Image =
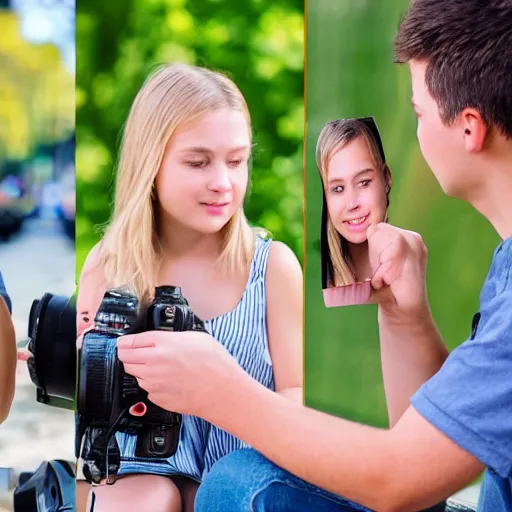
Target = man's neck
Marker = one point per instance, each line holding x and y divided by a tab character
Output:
493	198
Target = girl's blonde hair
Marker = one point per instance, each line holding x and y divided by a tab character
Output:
130	252
334	136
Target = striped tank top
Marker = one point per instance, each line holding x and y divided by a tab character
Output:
243	332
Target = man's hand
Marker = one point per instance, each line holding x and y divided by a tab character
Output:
184	372
398	259
411	347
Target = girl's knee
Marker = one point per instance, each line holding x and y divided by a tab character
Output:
135	493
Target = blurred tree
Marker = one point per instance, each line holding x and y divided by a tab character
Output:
260	45
36	93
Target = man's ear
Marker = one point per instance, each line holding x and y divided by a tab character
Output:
475	129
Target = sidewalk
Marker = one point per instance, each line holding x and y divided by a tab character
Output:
39	260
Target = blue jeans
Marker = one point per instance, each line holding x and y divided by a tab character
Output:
496	493
245	481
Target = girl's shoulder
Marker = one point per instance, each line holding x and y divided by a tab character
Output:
275	260
92	269
282	261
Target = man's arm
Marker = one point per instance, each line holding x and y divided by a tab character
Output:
412	349
7	360
407	468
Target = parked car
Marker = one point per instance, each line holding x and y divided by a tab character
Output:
12	206
66	209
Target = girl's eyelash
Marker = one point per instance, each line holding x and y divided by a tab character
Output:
198	164
195	163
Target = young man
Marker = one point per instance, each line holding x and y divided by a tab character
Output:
451	417
7	353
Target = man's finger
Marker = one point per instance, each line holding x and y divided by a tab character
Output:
373	228
382	275
386	274
378	277
378	241
136	370
135	356
392	251
135	341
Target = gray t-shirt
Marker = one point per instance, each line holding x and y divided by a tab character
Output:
470	398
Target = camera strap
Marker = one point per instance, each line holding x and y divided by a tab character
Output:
101	454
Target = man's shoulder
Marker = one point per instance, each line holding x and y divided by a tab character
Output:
496	294
468	398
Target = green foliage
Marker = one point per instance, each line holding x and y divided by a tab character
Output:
258	43
350	73
36	93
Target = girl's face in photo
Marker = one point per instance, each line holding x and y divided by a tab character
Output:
204	172
355	191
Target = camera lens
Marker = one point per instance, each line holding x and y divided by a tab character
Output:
52	329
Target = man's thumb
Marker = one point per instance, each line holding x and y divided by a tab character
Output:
371	230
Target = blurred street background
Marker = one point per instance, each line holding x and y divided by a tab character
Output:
37	202
350	73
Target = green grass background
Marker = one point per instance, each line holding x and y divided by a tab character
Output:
350	73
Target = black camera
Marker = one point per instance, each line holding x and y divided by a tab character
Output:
109	400
52	341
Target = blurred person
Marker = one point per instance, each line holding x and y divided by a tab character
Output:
7	353
450	414
179	219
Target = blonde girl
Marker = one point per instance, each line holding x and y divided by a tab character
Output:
178	219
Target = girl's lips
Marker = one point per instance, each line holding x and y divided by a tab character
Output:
215	208
357	225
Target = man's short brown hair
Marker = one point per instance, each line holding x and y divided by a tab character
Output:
467	45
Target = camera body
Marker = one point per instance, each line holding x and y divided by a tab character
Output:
109	400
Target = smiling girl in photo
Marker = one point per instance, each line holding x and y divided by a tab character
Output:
356	185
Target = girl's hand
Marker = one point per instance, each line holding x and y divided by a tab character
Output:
24	354
186	372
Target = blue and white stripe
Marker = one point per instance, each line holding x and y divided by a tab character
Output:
243	332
